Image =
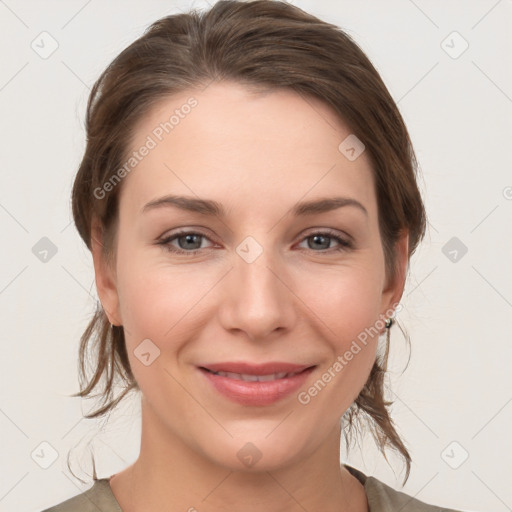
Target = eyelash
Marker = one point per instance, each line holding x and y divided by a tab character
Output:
165	242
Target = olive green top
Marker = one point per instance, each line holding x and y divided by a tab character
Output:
381	498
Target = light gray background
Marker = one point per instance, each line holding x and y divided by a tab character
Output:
458	110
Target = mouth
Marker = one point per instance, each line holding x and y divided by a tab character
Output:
254	378
256	385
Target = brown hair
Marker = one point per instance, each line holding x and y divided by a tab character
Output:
260	43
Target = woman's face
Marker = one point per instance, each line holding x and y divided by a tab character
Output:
265	281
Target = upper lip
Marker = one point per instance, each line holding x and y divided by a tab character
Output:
256	369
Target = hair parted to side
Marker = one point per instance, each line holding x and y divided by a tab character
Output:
263	44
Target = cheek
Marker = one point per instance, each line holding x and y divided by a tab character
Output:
347	298
154	302
158	301
157	304
347	304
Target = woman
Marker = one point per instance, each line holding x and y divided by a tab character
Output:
248	193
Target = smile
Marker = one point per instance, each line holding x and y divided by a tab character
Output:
255	378
255	389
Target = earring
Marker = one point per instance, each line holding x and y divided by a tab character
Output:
388	324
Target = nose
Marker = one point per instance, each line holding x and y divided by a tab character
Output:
257	299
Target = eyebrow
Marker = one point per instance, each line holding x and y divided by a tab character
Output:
215	209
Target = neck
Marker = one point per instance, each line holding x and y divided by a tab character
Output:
170	476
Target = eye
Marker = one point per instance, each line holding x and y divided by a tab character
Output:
189	242
186	240
321	239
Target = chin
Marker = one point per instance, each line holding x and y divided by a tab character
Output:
258	453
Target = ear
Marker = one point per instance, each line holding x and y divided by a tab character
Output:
394	288
105	276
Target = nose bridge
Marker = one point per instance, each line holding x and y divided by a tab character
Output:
259	276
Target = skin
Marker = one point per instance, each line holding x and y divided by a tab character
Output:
257	155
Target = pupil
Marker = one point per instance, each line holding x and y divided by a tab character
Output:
319	237
190	239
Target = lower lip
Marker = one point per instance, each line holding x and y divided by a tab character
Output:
256	393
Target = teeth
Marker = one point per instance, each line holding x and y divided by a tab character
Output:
255	378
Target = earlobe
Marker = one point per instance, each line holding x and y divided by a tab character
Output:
104	276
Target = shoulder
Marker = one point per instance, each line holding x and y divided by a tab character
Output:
382	498
98	497
389	499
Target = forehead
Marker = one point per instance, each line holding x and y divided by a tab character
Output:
277	146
